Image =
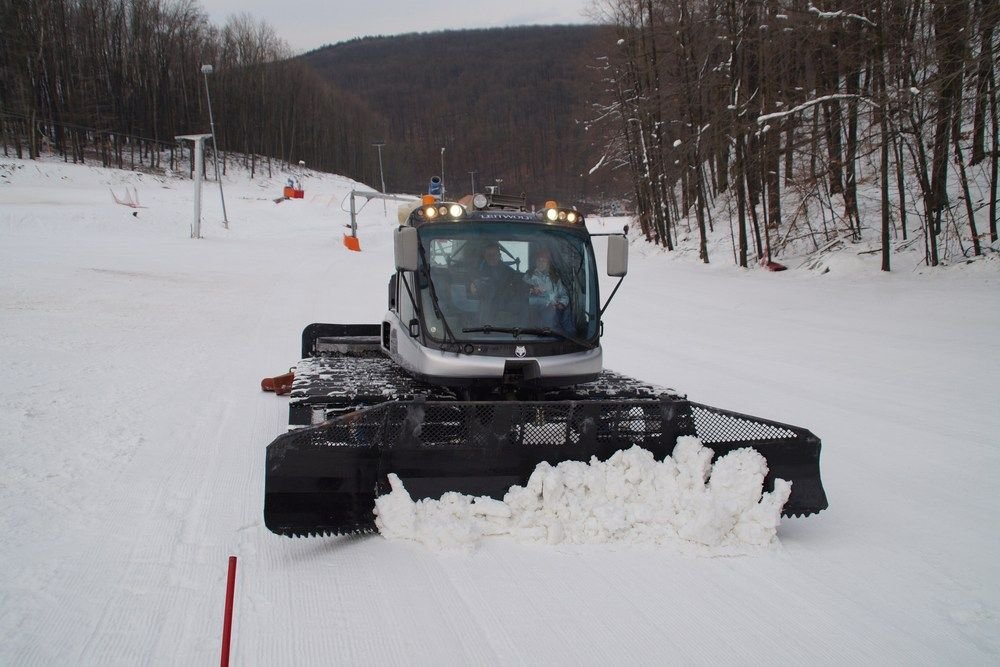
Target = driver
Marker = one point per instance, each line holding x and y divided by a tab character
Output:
493	273
496	287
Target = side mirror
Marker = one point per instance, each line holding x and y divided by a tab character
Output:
407	249
617	256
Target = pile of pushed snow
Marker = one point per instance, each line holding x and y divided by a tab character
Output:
683	501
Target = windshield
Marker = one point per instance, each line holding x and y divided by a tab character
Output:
523	276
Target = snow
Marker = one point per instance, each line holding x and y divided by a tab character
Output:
132	436
840	14
763	118
598	165
629	499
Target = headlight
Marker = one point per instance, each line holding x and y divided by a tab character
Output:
456	210
552	214
443	210
430	212
480	201
571	216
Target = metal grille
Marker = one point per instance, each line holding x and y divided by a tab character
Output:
426	424
717	426
492	424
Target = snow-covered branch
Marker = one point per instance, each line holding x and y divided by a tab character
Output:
599	163
805	105
840	15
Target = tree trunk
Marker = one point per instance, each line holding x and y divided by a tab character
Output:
996	157
883	120
741	201
850	161
949	18
900	180
977	250
989	12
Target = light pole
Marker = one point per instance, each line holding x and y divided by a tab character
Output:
206	70
442	172
472	175
379	145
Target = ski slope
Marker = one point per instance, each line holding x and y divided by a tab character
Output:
133	431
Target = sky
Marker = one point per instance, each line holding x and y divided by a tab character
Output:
310	24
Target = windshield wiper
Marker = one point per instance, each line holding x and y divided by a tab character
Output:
450	339
529	331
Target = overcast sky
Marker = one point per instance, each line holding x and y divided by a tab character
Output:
310	24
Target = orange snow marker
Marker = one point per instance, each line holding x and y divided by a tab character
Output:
352	243
279	384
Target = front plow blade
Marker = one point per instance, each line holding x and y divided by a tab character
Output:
324	479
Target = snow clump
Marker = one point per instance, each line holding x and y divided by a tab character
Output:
684	502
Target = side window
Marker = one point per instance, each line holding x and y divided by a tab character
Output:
441	252
515	254
393	292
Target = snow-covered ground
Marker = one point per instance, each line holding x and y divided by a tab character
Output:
132	436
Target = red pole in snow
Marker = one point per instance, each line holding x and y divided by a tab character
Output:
227	626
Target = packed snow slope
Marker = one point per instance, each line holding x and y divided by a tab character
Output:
133	432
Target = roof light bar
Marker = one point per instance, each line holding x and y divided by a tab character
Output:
442	211
556	214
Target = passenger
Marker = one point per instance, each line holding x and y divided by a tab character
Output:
547	296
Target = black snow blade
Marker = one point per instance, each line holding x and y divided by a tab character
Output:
323	480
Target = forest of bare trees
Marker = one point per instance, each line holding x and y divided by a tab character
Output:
115	81
772	102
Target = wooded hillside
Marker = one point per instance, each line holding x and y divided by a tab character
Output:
116	80
506	103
